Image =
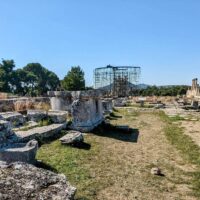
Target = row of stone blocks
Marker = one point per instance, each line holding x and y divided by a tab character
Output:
18	119
21	144
23	180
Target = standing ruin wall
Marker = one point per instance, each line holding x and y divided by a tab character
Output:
84	106
194	91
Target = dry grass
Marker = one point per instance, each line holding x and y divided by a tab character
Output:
116	166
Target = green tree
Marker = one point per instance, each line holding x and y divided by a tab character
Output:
6	75
74	80
39	80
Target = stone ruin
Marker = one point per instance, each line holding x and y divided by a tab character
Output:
120	102
25	181
60	100
19	134
84	106
12	149
23	104
17	154
194	91
107	106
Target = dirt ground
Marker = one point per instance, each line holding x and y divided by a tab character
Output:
192	128
133	162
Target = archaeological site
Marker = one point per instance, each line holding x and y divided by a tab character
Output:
99	100
76	144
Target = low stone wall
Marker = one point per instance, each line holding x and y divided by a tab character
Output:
23	104
40	133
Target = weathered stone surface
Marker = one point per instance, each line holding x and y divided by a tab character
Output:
88	94
23	152
60	100
72	137
57	116
86	107
107	106
87	114
43	132
5	131
24	104
194	91
15	118
120	102
28	125
36	115
27	182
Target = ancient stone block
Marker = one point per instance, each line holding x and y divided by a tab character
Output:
57	116
72	137
107	106
87	114
5	131
15	118
23	152
43	132
36	115
25	181
60	100
86	107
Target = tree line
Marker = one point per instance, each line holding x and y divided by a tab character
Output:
173	90
35	80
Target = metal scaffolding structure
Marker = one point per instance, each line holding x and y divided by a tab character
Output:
116	80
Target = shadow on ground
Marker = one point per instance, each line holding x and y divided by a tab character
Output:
81	145
110	131
43	165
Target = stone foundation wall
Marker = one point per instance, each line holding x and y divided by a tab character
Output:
24	104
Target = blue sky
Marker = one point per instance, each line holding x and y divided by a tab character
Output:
161	36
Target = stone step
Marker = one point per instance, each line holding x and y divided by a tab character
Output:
43	132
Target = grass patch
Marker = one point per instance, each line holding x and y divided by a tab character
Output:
139	106
45	122
177	118
189	150
73	163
